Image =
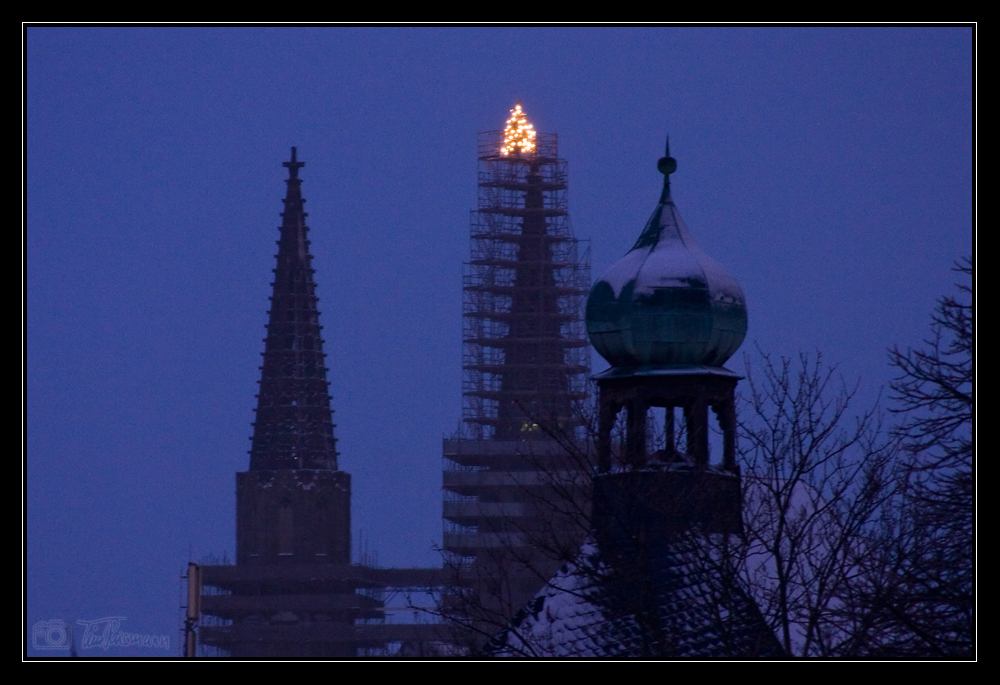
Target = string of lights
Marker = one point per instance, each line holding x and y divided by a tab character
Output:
518	134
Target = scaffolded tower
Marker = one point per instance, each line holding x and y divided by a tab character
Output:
525	363
525	354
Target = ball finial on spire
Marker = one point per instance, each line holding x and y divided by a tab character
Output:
667	164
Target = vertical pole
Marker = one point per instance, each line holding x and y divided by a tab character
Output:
696	418
727	422
193	610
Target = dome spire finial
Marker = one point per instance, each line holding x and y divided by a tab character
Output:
666	165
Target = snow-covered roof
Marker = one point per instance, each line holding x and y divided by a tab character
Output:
683	604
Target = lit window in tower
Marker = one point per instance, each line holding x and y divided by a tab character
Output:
518	134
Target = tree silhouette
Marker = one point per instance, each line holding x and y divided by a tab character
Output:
927	602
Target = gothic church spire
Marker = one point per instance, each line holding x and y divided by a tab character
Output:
294	426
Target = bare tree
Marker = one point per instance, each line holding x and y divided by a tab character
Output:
934	393
817	484
922	597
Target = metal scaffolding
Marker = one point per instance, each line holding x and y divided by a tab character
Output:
526	367
525	355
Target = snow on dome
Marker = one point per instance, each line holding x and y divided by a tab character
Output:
666	302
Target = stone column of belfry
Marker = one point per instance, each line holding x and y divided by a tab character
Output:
635	441
726	413
696	421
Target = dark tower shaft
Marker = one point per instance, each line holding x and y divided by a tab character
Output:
534	371
294	427
293	591
293	505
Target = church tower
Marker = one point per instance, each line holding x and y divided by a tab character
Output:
293	504
525	367
666	316
293	591
290	592
525	350
525	355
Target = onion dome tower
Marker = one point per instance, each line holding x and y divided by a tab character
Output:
656	579
666	316
666	304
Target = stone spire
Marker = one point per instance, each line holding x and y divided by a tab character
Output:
294	427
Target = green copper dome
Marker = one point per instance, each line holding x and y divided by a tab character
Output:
666	303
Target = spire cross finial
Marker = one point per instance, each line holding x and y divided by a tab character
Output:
293	166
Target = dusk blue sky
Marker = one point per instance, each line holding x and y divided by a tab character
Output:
829	169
